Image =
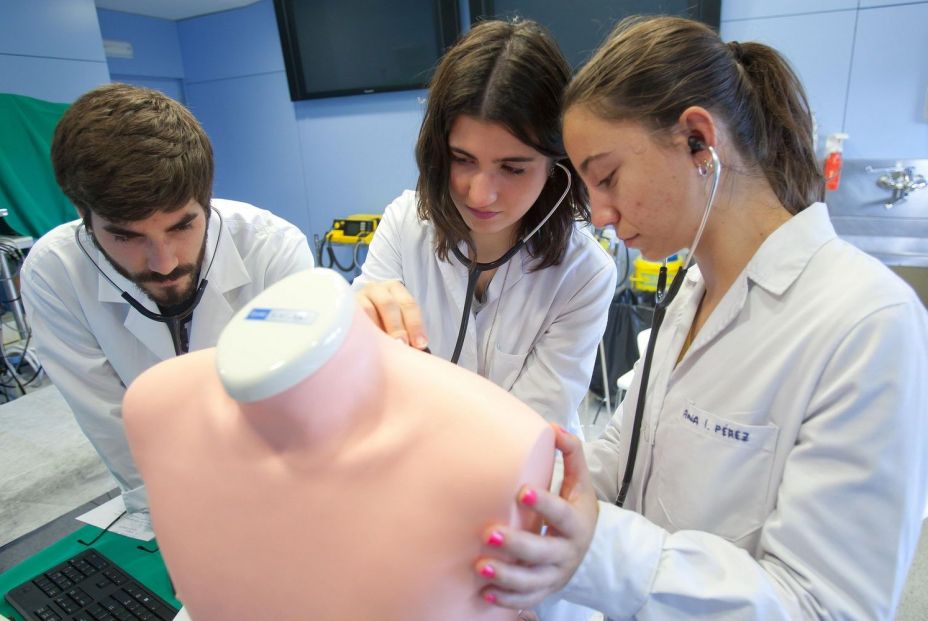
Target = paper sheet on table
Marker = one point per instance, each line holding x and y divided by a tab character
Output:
135	525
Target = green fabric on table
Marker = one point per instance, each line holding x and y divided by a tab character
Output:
27	180
146	567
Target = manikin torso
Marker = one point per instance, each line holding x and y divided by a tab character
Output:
352	478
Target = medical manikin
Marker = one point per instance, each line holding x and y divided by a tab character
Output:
311	467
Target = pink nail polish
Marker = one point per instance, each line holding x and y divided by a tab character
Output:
487	571
562	429
495	539
529	497
489	597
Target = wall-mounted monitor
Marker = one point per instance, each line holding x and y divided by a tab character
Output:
580	26
349	47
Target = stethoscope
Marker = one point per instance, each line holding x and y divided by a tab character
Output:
475	268
175	321
662	301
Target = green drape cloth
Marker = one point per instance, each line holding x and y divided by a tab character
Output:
27	182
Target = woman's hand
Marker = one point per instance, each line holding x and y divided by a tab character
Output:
543	564
392	308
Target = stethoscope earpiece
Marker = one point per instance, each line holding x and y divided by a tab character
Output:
696	145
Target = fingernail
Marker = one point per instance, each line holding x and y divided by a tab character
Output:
422	342
495	539
488	571
489	597
562	429
529	497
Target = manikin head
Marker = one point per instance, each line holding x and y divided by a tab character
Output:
284	335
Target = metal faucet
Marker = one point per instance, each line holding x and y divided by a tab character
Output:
900	180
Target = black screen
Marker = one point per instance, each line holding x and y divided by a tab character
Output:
580	26
344	47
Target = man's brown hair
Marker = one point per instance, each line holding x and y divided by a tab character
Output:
126	152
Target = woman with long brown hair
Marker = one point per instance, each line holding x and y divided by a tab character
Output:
487	263
771	463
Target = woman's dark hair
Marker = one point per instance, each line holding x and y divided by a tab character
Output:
125	152
511	73
650	70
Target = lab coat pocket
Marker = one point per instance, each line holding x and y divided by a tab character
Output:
506	368
714	471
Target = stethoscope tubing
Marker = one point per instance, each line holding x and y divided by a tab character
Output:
662	301
174	321
476	268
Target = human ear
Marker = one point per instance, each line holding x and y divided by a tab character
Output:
697	126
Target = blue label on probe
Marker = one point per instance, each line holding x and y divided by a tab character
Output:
282	315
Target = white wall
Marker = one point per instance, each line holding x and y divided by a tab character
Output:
863	63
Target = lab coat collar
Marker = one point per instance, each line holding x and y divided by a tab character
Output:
781	258
211	315
228	271
775	266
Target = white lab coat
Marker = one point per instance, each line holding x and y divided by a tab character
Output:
782	467
537	332
93	344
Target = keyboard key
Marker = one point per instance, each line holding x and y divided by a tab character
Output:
96	560
67	605
114	576
123	615
124	598
80	597
84	567
47	614
132	590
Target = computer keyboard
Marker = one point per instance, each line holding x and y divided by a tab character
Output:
87	587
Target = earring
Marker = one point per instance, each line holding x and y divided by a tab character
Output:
705	168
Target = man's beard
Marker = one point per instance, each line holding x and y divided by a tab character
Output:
176	296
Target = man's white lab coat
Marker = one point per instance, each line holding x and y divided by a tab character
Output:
93	343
